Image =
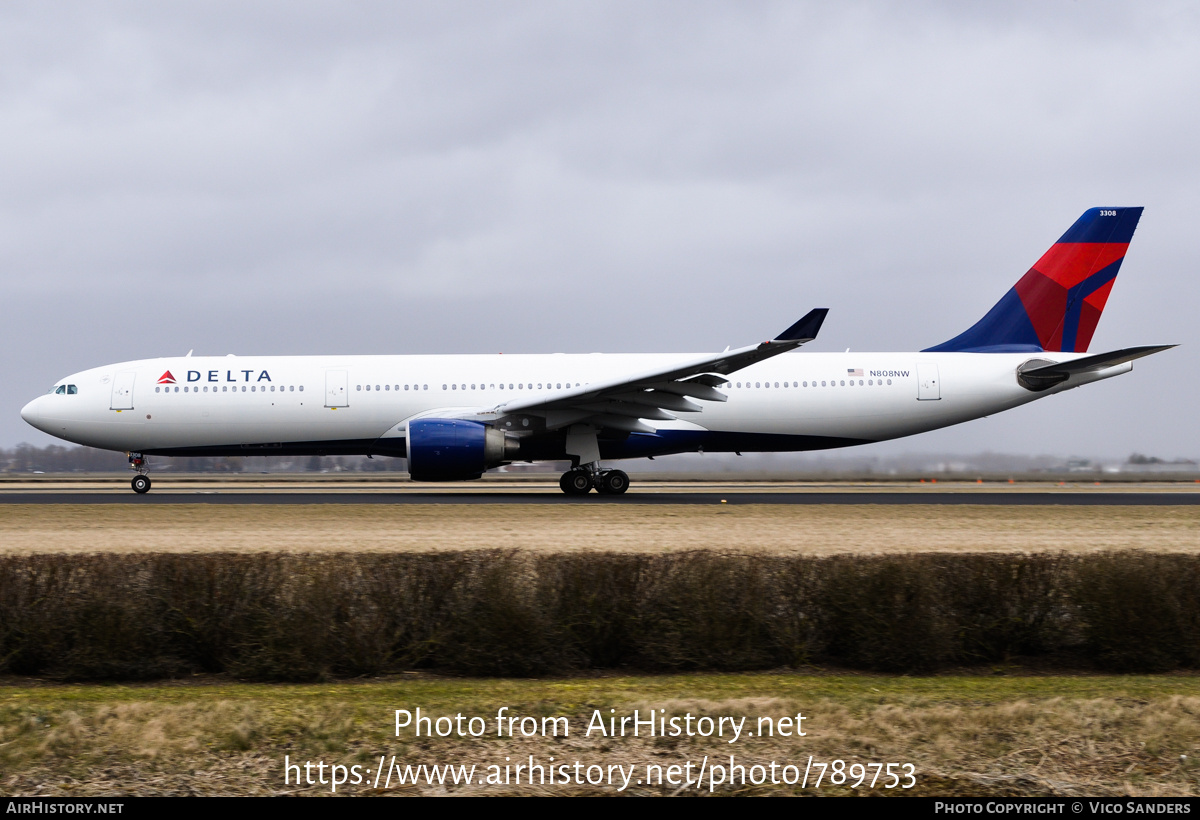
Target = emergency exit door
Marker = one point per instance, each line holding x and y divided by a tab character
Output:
336	394
929	387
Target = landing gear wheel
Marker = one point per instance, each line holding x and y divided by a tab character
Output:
140	484
612	482
575	482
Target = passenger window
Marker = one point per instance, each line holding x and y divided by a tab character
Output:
301	388
157	389
358	387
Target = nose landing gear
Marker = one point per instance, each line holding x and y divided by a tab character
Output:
141	481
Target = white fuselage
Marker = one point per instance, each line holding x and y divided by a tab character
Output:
351	403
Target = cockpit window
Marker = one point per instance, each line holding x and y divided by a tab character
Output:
72	390
62	388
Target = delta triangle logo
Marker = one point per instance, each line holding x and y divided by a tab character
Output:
166	378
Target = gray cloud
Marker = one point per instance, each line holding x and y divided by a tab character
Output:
460	177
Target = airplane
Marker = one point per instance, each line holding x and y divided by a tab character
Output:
454	417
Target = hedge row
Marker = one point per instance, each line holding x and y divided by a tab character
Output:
307	617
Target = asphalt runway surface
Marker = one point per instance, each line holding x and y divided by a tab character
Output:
1010	498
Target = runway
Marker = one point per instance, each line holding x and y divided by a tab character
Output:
803	497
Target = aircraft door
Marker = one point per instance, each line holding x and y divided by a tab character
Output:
336	394
929	386
122	392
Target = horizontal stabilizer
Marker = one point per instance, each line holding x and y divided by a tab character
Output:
1043	376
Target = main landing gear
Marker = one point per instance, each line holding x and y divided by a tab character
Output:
581	480
141	481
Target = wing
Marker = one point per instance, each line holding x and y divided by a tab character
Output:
658	394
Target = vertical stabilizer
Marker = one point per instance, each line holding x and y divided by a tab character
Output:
1057	304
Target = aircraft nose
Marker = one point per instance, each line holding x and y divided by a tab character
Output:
33	413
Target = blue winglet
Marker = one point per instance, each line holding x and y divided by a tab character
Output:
806	329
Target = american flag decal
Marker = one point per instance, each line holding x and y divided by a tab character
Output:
855	372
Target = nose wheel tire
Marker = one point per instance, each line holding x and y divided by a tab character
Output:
575	482
612	482
140	484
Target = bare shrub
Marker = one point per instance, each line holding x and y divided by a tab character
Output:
1141	612
312	616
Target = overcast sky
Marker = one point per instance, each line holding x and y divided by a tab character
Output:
288	178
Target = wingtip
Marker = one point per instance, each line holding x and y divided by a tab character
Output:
806	328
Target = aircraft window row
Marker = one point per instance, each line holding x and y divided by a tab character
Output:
829	383
65	390
254	388
519	386
397	387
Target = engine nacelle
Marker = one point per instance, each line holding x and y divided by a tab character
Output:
455	449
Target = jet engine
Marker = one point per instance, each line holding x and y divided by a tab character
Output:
455	449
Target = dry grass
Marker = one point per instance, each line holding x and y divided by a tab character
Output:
966	736
809	530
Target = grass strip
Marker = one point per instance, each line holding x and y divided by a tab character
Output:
965	734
